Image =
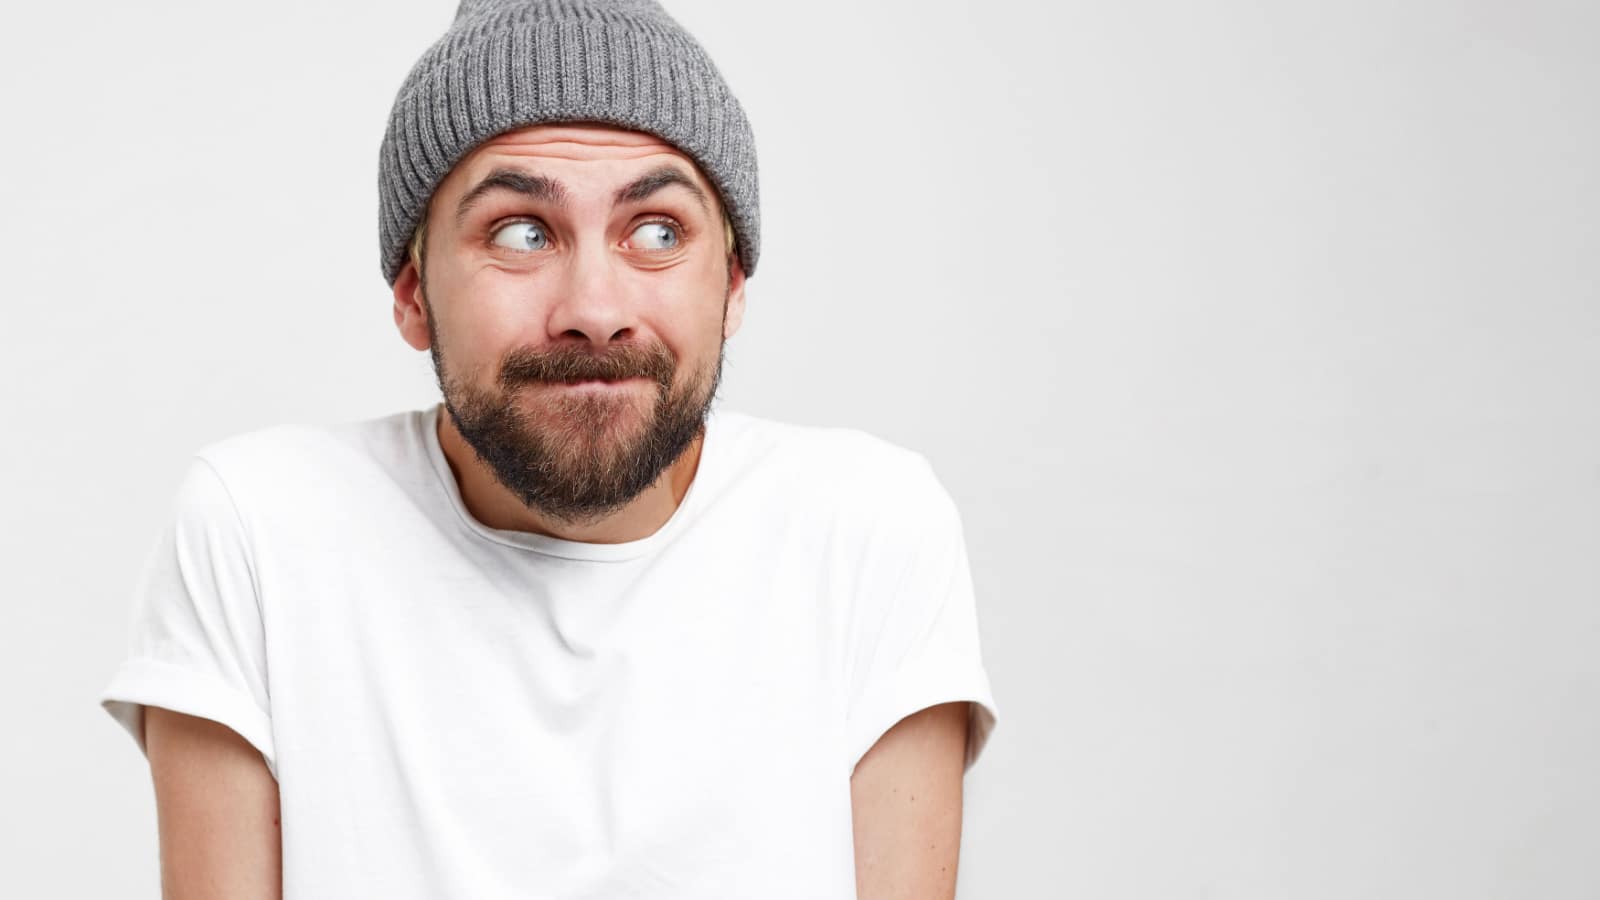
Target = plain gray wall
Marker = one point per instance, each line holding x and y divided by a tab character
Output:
1258	343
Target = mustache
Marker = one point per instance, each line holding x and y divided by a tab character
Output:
572	363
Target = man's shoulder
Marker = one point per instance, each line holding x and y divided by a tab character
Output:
283	455
836	462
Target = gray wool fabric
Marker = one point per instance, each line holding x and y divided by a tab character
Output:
506	64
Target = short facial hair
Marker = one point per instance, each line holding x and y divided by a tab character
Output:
585	461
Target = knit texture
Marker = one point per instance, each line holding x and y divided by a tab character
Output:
507	64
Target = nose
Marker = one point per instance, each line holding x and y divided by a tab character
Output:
594	302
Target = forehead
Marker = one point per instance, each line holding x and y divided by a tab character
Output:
560	144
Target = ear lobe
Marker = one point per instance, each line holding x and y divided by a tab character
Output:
410	308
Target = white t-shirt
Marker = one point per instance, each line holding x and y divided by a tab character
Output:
453	710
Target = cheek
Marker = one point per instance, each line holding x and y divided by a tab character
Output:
477	329
696	339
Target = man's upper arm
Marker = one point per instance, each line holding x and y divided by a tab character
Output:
217	805
912	638
192	691
905	798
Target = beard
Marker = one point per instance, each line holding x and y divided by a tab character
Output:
576	455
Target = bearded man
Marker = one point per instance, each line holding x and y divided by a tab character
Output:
573	630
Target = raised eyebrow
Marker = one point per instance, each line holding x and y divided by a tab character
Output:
538	187
549	190
656	179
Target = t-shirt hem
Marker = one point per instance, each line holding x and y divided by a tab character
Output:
909	692
151	682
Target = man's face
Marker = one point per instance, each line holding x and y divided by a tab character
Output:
560	254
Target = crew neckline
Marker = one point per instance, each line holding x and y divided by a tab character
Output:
427	422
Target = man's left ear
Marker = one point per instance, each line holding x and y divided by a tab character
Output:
735	313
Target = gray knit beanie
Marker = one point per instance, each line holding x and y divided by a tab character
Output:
507	64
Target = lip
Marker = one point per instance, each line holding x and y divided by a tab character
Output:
595	384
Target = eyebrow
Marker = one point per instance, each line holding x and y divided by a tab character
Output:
549	190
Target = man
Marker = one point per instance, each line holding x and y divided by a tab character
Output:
574	631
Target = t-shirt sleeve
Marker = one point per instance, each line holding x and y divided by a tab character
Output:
915	640
196	643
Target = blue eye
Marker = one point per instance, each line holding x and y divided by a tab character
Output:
530	237
659	231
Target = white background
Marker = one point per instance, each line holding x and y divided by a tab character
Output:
1257	341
